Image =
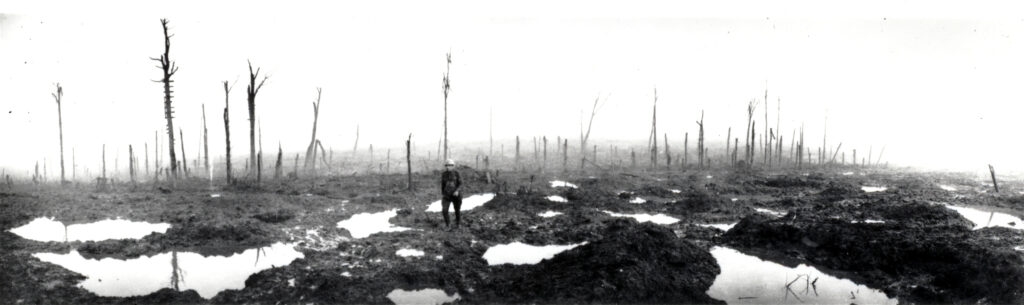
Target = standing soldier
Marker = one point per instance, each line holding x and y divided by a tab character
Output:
450	183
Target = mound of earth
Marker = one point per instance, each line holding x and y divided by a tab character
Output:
919	252
631	263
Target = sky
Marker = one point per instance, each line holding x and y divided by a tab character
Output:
935	83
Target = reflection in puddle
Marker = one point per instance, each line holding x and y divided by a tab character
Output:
427	296
721	226
982	219
468	203
659	218
558	183
183	270
872	189
409	252
747	279
948	188
363	224
518	253
638	200
769	212
46	229
556	198
547	214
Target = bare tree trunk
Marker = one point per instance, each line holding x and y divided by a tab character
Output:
131	164
169	68
104	162
565	155
654	131
311	150
277	165
206	146
408	160
355	146
227	132
686	149
992	170
700	141
446	82
668	154
728	136
60	126
252	90
184	161
259	157
545	164
517	153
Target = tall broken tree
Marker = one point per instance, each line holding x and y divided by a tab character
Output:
584	137
252	90
700	141
169	68
206	146
311	150
653	139
446	87
184	162
227	132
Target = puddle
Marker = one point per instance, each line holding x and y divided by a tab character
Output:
214	195
660	219
868	221
1019	248
518	253
555	198
409	252
847	173
46	229
872	189
948	188
209	275
363	224
558	183
429	296
769	212
747	279
721	226
675	191
982	219
709	177
734	199
468	203
547	214
638	200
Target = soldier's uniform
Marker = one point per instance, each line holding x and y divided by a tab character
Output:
450	193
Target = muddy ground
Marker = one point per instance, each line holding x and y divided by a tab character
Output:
922	253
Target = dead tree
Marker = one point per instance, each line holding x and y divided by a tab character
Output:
446	87
408	159
356	145
565	155
686	148
584	137
995	184
517	153
700	141
184	162
206	146
767	141
252	90
131	164
311	150
259	157
750	121
653	139
277	165
879	160
545	161
169	68
728	136
60	126
668	154
227	131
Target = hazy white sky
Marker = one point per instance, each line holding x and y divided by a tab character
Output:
937	84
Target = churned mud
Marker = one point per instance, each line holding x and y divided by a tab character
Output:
612	237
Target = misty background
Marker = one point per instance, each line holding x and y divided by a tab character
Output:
936	84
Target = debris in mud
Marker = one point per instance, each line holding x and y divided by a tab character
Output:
632	263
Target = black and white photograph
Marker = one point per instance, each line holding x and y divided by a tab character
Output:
511	152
